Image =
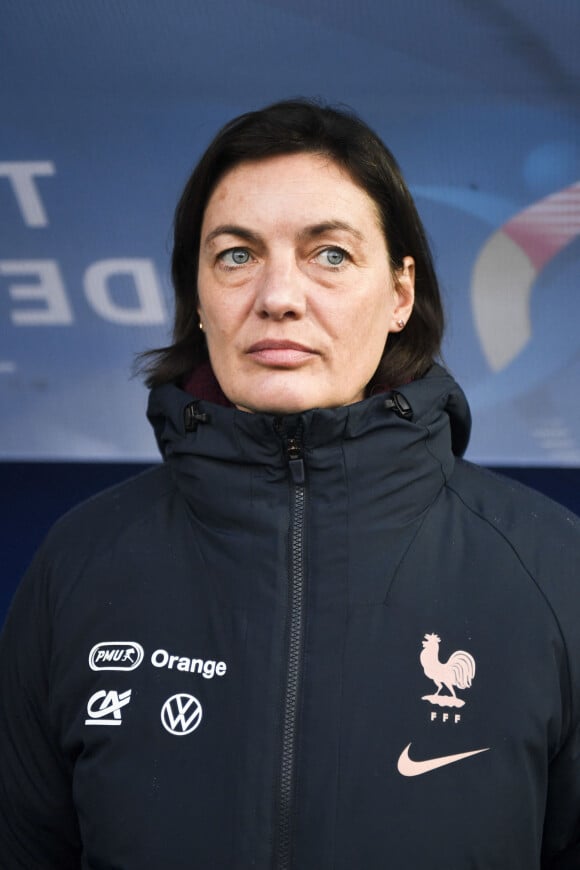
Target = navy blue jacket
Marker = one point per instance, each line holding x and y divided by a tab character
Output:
322	641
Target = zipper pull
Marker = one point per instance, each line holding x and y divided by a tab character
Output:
295	461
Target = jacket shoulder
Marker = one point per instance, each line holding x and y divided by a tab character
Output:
528	519
107	514
543	536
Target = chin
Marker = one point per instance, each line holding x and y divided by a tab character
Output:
276	406
279	401
282	406
281	398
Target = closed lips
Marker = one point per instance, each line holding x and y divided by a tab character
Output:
279	344
283	354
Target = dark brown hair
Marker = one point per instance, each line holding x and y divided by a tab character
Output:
303	126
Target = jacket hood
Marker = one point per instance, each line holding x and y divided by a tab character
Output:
434	401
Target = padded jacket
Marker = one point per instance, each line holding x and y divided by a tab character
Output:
318	642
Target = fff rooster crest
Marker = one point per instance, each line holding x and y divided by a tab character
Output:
457	672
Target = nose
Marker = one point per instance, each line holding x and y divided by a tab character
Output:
281	290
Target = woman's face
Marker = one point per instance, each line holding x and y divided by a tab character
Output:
296	293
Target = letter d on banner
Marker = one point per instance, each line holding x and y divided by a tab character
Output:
148	309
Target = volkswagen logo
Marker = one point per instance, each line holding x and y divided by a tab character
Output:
181	714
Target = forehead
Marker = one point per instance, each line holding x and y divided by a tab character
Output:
292	188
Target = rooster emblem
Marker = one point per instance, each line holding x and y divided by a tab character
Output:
458	671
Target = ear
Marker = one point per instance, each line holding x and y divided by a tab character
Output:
404	294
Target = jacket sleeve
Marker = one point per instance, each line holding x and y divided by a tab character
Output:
38	825
562	815
562	822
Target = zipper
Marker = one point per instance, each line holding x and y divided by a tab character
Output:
294	453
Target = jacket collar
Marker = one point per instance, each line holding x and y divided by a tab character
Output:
184	424
371	476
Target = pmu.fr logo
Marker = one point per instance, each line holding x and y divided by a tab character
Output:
104	707
116	655
181	714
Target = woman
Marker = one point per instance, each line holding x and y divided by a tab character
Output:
315	637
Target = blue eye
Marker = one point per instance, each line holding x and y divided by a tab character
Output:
334	256
235	257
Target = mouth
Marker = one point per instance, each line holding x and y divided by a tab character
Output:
280	353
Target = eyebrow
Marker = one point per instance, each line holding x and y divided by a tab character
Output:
326	226
232	230
307	233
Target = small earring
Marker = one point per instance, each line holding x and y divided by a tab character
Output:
201	325
400	323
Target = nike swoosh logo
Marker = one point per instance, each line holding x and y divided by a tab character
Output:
407	767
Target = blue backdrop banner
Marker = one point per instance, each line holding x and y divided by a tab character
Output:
107	106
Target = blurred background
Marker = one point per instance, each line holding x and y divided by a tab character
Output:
105	108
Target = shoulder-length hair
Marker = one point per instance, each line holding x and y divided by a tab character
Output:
292	127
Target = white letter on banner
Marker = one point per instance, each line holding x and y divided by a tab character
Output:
50	290
21	175
149	308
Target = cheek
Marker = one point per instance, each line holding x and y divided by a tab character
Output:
373	310
201	292
224	309
362	345
212	307
369	327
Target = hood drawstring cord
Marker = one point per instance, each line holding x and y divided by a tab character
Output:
192	417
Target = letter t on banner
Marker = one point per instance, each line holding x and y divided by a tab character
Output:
21	176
